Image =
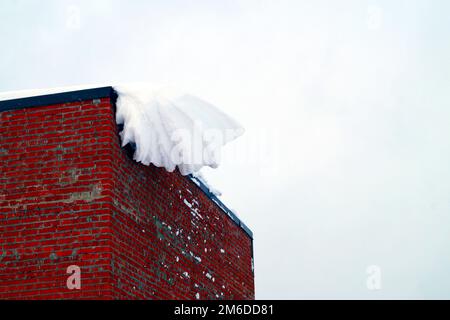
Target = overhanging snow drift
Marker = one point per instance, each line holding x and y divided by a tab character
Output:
173	129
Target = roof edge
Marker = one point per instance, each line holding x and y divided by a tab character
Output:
57	98
221	205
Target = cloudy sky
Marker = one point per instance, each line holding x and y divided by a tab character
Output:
343	174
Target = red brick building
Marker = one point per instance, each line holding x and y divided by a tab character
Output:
71	196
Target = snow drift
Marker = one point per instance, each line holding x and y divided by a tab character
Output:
173	129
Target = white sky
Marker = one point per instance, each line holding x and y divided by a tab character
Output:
345	163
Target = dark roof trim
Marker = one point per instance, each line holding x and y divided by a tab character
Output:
220	204
98	93
57	98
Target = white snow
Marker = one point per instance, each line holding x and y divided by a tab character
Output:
199	260
40	92
187	203
200	176
173	129
170	128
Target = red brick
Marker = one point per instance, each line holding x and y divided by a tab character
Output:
71	196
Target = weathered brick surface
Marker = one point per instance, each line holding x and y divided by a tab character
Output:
71	196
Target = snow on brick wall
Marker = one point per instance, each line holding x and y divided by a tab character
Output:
71	196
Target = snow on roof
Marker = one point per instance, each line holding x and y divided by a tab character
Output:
12	95
172	128
169	128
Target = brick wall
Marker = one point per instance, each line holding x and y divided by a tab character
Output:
71	196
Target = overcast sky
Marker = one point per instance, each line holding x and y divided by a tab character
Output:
344	168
